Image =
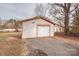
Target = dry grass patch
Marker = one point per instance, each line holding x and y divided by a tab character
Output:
68	39
13	47
11	44
10	34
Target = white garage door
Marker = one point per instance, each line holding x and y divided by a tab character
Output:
43	31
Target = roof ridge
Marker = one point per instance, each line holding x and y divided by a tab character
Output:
42	17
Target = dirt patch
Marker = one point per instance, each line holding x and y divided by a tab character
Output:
12	38
68	39
37	52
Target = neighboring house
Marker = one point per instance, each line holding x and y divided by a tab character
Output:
38	27
10	30
7	30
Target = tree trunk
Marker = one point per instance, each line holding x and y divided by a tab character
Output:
66	23
16	29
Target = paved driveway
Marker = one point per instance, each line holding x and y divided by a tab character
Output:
52	47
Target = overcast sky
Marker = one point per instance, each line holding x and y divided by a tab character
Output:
17	10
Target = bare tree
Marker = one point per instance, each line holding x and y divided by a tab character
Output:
12	23
40	10
62	12
1	24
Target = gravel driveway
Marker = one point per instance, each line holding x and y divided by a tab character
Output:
52	47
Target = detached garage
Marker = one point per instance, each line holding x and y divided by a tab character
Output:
37	27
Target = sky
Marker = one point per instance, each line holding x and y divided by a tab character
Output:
16	10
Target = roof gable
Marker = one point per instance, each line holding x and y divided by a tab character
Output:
35	18
43	18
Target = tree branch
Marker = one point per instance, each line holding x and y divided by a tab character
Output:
61	5
56	17
74	8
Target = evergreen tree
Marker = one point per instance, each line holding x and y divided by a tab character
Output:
75	28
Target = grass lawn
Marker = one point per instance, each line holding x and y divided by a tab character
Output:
11	44
8	34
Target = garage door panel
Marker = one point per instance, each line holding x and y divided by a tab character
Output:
43	31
